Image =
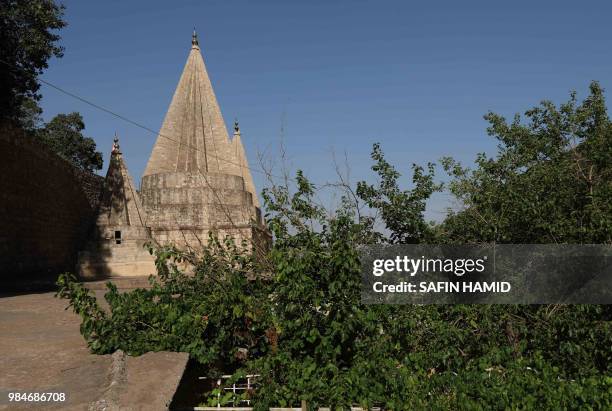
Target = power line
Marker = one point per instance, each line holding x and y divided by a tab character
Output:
135	123
166	137
99	107
121	117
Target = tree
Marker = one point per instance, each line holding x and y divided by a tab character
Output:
27	42
31	116
401	210
64	135
551	181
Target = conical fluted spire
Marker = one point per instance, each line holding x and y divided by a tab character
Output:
243	163
193	137
120	203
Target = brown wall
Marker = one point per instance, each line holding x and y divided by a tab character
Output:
47	208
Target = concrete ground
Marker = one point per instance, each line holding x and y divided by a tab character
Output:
42	350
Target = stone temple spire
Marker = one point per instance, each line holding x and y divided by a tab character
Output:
120	203
116	246
241	159
193	137
197	180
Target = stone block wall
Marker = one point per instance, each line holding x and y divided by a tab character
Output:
47	209
183	207
107	256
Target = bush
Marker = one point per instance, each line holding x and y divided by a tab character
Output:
210	314
303	328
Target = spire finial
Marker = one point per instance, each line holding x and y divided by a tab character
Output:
194	38
236	126
115	149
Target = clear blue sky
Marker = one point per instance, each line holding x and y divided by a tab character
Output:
340	75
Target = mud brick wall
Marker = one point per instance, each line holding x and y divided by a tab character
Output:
47	208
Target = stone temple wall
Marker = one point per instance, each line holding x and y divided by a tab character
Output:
116	247
104	257
183	207
197	180
47	208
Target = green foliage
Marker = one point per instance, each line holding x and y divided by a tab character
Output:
210	314
296	317
28	40
401	210
64	134
31	116
551	181
317	321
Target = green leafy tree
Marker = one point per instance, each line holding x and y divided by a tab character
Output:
400	210
64	134
31	116
317	323
28	39
216	314
551	181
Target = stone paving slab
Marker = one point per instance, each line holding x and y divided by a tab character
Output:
42	350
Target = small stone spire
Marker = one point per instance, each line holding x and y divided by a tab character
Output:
116	149
194	39
242	163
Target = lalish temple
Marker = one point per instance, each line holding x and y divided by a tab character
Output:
197	181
